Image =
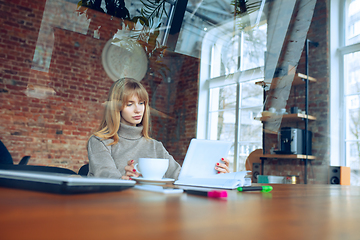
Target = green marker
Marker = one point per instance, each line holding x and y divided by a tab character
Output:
255	188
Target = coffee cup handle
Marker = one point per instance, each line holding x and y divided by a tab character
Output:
135	166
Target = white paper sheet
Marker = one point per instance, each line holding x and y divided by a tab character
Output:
225	181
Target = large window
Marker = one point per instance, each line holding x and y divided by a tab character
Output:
231	118
350	56
235	62
352	108
347	56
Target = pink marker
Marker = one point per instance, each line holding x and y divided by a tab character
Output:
211	194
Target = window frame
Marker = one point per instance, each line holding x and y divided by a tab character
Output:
338	50
222	81
209	78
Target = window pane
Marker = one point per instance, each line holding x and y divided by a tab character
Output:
250	129
352	99
254	48
251	94
222	125
352	20
352	73
353	161
223	98
353	154
230	55
352	118
352	91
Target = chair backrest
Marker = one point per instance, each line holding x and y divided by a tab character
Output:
254	157
84	170
5	156
35	168
24	160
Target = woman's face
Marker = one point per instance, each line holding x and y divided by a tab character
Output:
133	111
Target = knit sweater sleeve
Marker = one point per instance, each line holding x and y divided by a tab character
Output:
101	163
174	167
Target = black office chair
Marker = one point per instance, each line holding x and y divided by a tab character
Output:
6	163
84	170
5	156
37	168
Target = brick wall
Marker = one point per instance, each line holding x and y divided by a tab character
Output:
50	113
176	100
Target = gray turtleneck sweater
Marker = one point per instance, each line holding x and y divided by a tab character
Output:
109	161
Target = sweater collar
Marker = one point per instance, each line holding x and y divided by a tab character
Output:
130	132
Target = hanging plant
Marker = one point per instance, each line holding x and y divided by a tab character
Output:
153	9
146	37
243	8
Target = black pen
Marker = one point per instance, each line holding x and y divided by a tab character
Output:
255	188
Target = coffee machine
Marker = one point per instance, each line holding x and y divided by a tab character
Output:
292	141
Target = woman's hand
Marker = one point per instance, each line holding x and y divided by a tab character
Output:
130	171
223	167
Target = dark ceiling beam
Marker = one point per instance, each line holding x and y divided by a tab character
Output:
179	8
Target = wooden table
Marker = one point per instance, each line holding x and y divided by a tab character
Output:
288	212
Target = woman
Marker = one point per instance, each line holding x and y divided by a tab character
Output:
123	137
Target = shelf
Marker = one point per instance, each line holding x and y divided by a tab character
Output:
272	118
270	131
286	117
288	156
298	80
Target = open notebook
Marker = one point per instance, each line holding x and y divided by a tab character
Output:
60	183
200	160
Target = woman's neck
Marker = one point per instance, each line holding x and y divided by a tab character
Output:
130	132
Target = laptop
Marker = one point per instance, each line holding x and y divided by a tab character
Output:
60	183
202	156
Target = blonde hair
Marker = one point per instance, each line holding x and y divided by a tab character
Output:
119	94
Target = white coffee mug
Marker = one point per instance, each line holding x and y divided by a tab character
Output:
152	168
